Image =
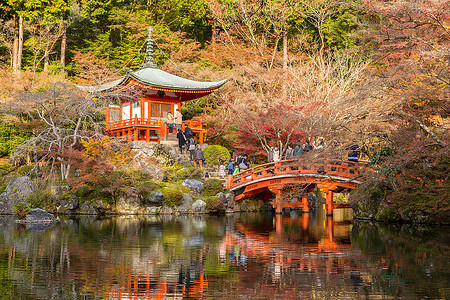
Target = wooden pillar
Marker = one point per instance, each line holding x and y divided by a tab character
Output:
279	223
107	118
200	137
136	132
131	111
278	202
305	204
330	228
147	135
129	135
329	203
229	179
305	222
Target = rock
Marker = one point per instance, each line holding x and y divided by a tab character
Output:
17	191
154	171
129	202
198	206
154	198
166	210
69	207
58	190
187	203
37	215
230	200
20	188
102	207
222	197
87	209
137	144
195	186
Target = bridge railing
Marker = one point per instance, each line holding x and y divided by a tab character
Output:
341	168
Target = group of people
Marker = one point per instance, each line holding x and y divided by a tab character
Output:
174	121
292	151
234	166
187	140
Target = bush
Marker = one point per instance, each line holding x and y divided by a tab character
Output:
212	187
21	210
215	204
215	153
188	173
173	195
146	187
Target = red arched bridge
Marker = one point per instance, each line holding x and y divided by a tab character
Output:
278	177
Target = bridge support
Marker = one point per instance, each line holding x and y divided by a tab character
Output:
305	204
278	202
329	203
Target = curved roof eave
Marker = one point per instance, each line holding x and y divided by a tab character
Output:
157	78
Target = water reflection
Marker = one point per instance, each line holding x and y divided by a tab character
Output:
254	255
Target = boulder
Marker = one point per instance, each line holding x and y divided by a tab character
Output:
20	188
70	206
17	190
154	199
222	197
195	186
102	207
230	200
187	203
129	202
37	215
154	171
198	206
87	209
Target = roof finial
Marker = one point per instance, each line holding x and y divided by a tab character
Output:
148	60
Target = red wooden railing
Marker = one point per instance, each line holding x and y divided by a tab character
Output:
344	169
133	122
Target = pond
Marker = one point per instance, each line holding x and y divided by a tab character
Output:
239	256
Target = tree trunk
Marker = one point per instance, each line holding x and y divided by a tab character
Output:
63	45
20	45
15	44
285	50
46	60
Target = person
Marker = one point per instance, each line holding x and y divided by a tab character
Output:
236	170
188	131
243	165
181	140
289	152
170	122
353	152
320	145
191	147
307	147
198	157
297	150
178	120
230	167
270	155
276	154
222	169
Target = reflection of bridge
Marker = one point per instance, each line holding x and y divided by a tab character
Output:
275	177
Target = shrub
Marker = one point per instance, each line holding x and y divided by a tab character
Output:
173	195
146	187
21	210
215	204
215	153
212	187
188	173
40	198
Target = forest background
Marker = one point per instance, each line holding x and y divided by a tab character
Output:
374	73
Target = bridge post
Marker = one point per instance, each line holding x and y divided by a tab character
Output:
305	204
278	202
329	203
278	223
228	183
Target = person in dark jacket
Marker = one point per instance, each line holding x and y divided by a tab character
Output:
198	157
188	131
181	140
230	167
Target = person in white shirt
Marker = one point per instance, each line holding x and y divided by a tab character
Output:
178	120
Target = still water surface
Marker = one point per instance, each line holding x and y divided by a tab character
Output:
241	256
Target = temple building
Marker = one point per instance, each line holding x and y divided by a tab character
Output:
146	97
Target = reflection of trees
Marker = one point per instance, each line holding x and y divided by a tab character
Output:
87	256
405	261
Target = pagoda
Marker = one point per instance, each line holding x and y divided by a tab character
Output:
146	97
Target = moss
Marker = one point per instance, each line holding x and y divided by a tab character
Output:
188	173
173	195
147	187
215	153
212	187
214	204
40	199
387	213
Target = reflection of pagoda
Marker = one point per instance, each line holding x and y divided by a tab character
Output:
146	97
